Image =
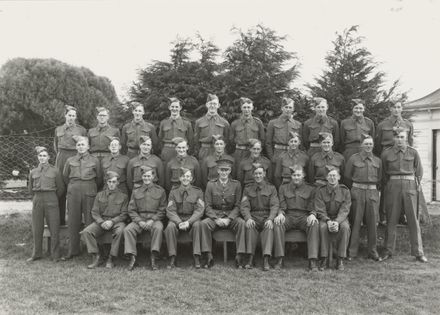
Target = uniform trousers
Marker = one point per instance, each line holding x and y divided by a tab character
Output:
60	161
133	230
172	232
238	226
94	230
252	237
342	238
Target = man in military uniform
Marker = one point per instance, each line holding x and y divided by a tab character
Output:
317	124
109	214
353	127
244	128
145	157
222	199
184	211
259	206
296	212
173	127
116	162
245	171
293	156
210	124
132	131
182	159
363	173
147	210
332	204
279	130
403	172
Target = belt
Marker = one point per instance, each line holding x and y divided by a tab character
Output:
206	145
315	145
280	146
241	147
405	177
364	186
171	145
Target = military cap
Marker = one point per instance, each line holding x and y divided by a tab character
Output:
211	97
256	166
397	130
357	101
225	163
319	100
111	174
245	100
77	138
177	140
115	139
325	135
295	168
253	142
293	134
183	171
145	168
216	138
40	149
143	139
365	136
286	101
102	109
332	168
68	108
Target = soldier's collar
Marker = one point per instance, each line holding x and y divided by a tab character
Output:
244	118
144	156
140	122
365	155
355	118
397	148
330	153
69	126
175	118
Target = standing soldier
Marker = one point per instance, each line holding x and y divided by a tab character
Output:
147	210
184	211
210	124
222	199
403	172
296	211
101	135
182	159
363	173
259	206
132	131
244	128
46	184
279	129
134	174
172	127
293	156
322	161
116	162
65	147
353	127
317	124
245	172
109	213
82	174
332	204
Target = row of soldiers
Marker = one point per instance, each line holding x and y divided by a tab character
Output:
363	172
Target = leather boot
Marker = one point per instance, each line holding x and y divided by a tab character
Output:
239	261
266	266
197	261
313	265
153	258
250	263
95	261
132	262
109	264
172	264
340	264
279	264
209	260
323	264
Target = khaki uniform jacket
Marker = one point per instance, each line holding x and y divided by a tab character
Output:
296	198
245	169
278	132
207	126
385	132
134	175
185	204
172	171
132	131
64	136
285	161
116	164
110	205
352	129
244	129
83	167
267	206
46	178
100	138
170	128
147	203
313	126
223	201
318	165
332	203
398	161
363	168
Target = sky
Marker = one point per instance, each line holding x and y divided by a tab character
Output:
117	38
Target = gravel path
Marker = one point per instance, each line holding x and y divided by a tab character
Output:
8	207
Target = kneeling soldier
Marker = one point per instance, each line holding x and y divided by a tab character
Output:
147	210
184	211
259	207
296	211
109	213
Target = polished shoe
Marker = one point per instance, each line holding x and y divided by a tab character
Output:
68	257
109	264
266	266
374	257
132	262
95	261
340	264
172	264
313	266
31	259
250	263
422	259
279	264
153	259
239	261
323	264
197	264
386	256
209	261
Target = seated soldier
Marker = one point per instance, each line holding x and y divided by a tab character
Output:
222	198
184	211
259	207
109	213
332	204
146	210
296	212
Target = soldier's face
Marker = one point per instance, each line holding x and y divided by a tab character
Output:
396	110
114	146
401	139
333	177
175	108
326	144
182	148
223	172
219	146
294	143
256	150
82	146
259	175
288	109
213	107
103	118
145	147
247	108
112	183
43	157
297	177
367	145
70	117
358	110
148	177
138	112
186	179
321	109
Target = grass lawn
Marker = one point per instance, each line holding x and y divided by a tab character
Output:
398	286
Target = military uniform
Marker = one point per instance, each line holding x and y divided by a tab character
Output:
46	184
100	138
172	171
209	167
245	169
363	172
260	203
131	133
319	163
205	127
296	204
147	202
82	172
108	205
184	204
171	128
134	175
385	132
287	159
278	135
351	130
313	126
333	203
118	164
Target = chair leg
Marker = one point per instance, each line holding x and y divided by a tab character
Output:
225	252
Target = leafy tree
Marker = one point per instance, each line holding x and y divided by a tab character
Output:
34	92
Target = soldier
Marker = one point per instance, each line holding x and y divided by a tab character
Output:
402	174
184	211
259	206
296	212
353	127
82	174
210	124
46	185
116	162
363	173
172	127
293	156
317	124
132	131
244	128
245	168
332	204
65	147
279	129
323	160
101	135
134	174
147	210
222	198
109	214
209	163
182	159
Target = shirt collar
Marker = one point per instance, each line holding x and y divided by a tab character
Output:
330	154
364	155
